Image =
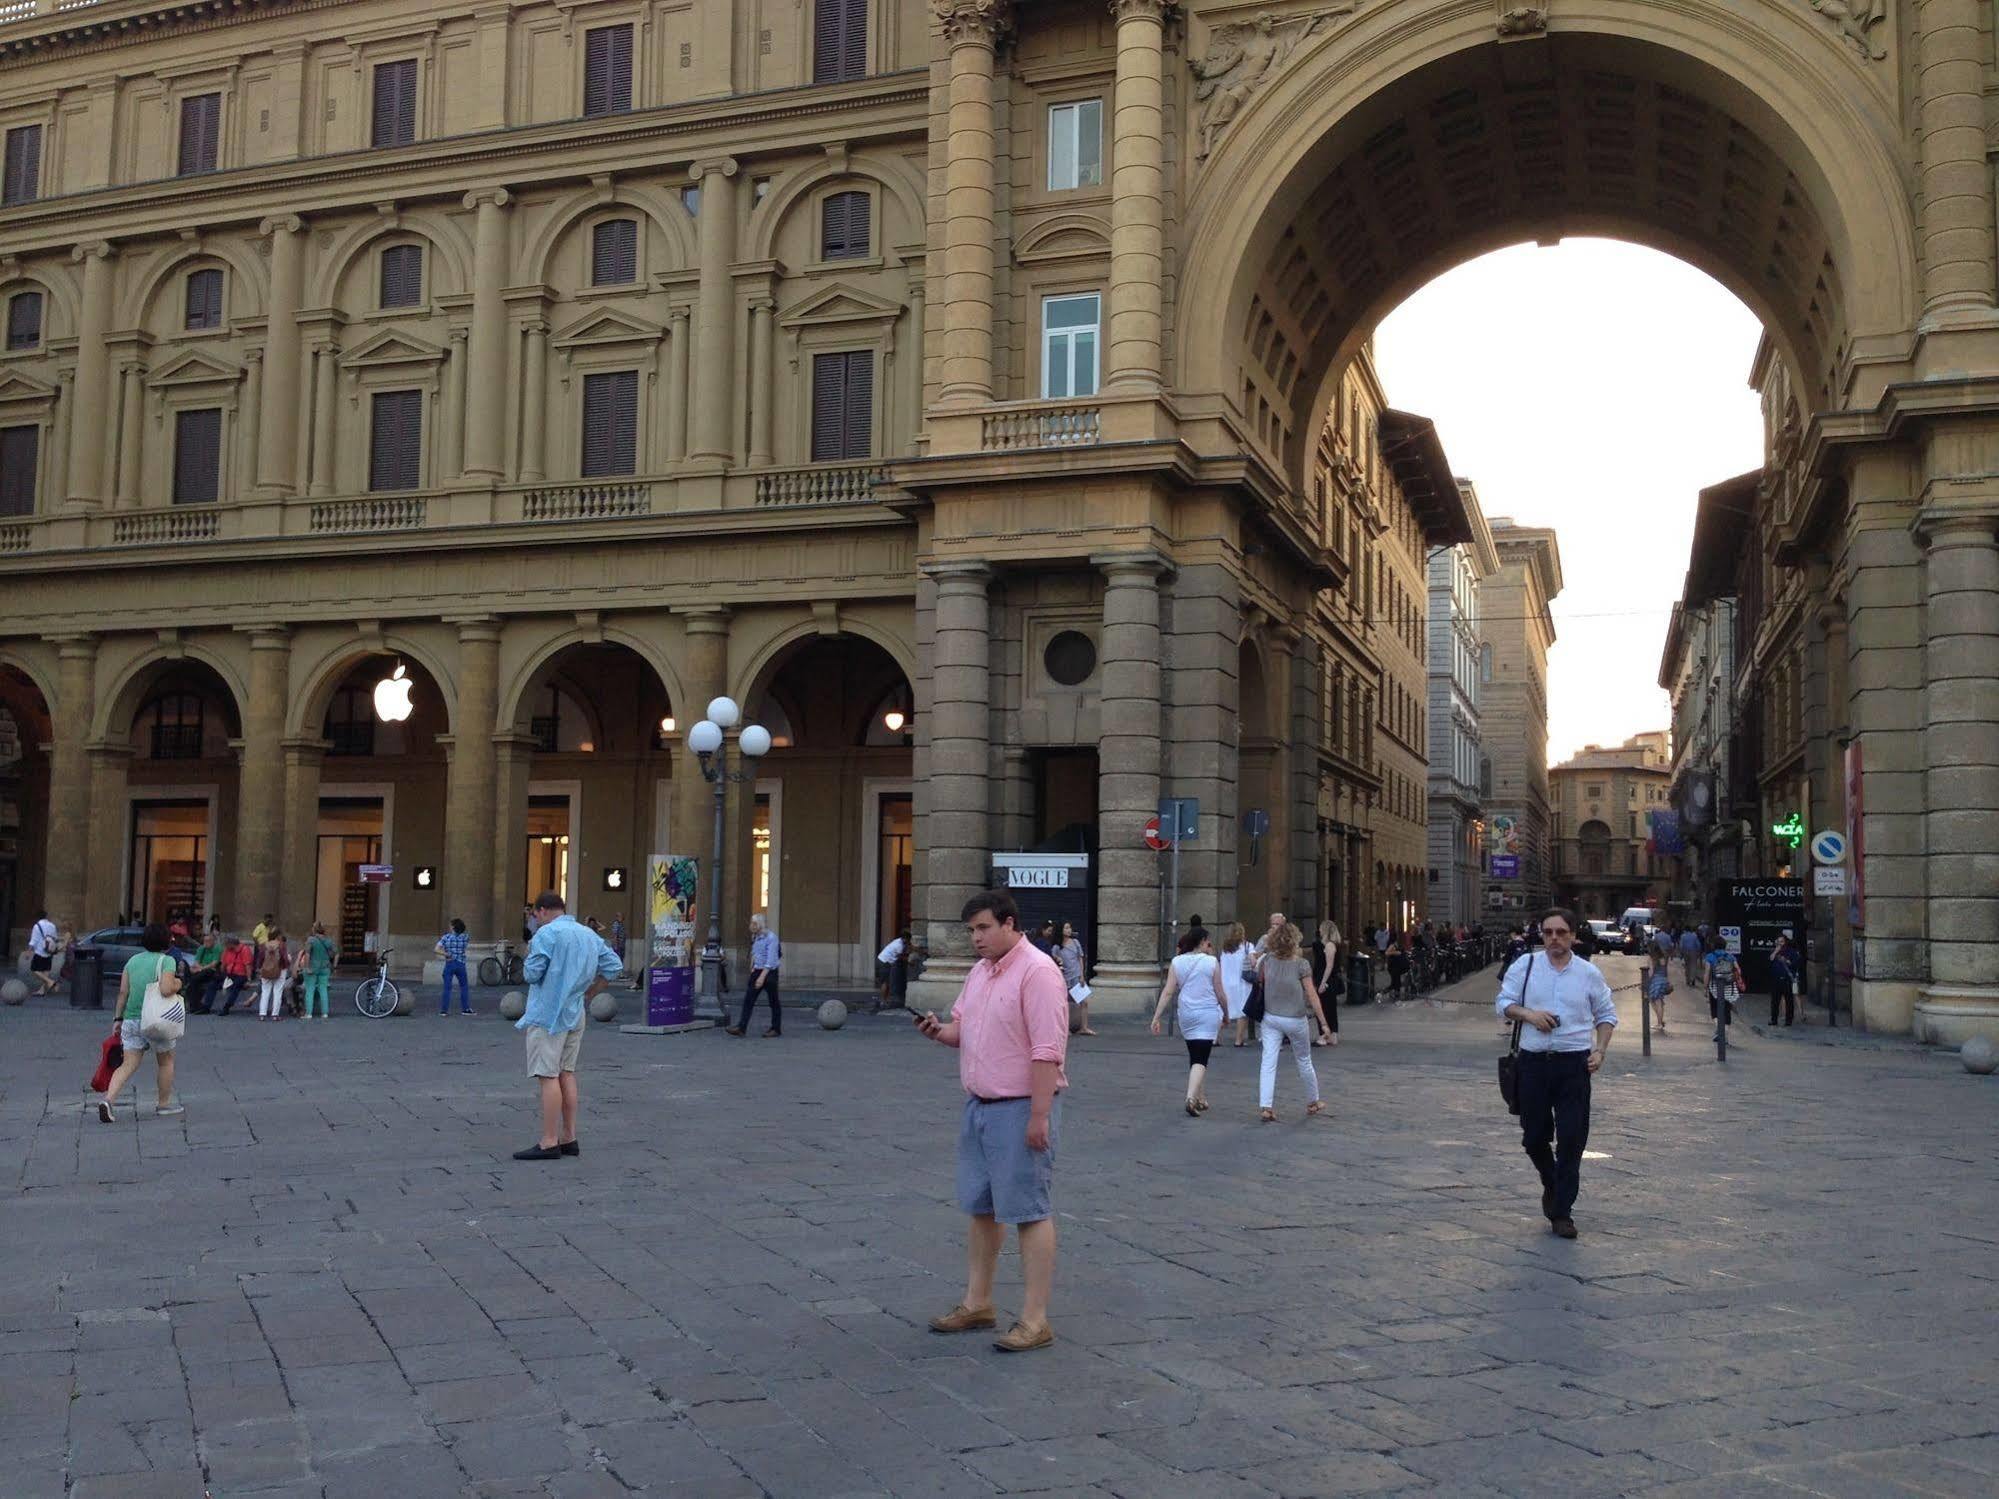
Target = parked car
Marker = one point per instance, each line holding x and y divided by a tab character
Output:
119	944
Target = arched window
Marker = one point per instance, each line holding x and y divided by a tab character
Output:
844	227
204	300
402	276
614	253
172	727
24	320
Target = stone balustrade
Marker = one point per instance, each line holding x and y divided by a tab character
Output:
573	502
380	512
820	484
171	524
1057	424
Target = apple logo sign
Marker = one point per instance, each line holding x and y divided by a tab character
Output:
392	697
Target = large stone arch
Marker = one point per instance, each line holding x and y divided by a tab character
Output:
756	672
889	173
666	214
35	662
57	290
514	690
314	681
120	699
437	231
1386	93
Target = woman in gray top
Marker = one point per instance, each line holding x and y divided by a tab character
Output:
1289	997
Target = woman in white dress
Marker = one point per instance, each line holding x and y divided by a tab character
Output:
1235	959
1194	979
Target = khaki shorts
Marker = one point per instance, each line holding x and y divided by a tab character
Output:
552	1052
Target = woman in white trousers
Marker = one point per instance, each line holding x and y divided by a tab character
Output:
273	964
1289	997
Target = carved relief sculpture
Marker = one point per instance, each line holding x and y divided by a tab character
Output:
1241	58
1856	20
974	20
1523	20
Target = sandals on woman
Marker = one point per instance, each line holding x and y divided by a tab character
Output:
1267	1116
1316	1106
1192	1111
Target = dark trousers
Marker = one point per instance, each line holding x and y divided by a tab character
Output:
1554	1106
769	988
232	990
1788	997
201	992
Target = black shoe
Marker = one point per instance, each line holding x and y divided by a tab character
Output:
570	1147
772	1032
1548	1203
732	1030
539	1153
1565	1228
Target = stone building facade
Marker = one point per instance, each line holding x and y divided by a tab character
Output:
1600	805
1459	770
1518	630
939	332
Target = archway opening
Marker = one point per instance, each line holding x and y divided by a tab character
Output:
24	807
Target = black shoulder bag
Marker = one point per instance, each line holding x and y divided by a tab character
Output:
1252	1005
1509	1065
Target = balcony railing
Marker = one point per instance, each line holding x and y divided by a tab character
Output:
586	502
176	523
16	538
403	512
820	484
1050	426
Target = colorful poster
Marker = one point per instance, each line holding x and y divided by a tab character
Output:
673	884
1505	834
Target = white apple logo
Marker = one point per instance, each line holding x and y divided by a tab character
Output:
392	697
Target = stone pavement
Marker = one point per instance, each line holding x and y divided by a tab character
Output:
329	1279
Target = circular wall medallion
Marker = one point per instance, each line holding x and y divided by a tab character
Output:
1070	658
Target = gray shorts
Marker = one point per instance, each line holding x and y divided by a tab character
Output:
551	1053
998	1176
134	1040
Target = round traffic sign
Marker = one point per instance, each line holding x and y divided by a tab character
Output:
1153	838
1828	847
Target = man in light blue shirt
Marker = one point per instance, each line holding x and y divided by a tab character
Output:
567	964
1566	1016
766	954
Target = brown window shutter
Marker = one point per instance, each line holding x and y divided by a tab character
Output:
843	403
24	320
204	299
610	424
395	440
607	70
197	456
843	227
402	276
200	132
395	103
19	448
614	253
23	171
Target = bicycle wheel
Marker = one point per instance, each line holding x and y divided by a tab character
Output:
516	969
376	997
490	971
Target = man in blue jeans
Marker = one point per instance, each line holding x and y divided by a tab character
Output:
766	954
567	964
451	948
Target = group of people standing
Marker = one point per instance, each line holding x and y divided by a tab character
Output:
223	968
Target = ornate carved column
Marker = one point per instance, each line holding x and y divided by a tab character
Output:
956	835
1956	184
325	383
971	30
277	437
470	804
485	411
1138	235
676	387
69	781
534	417
1128	780
763	390
87	447
131	434
714	394
260	810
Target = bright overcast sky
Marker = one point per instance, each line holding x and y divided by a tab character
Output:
1595	387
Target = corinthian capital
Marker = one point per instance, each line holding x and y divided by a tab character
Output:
1143	10
974	21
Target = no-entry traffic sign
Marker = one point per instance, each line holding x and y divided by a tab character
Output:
1154	839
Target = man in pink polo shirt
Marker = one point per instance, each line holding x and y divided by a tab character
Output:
1011	1028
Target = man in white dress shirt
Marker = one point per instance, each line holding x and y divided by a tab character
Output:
1568	1016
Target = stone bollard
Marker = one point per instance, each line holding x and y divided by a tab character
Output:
604	1007
513	1005
832	1015
13	992
1979	1056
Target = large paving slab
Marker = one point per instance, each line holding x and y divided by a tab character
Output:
328	1277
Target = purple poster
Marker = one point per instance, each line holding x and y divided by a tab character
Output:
1506	866
669	996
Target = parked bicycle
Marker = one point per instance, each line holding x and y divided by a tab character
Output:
507	967
378	996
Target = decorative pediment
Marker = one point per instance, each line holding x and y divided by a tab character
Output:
840	303
1073	236
605	326
17	389
390	349
193	367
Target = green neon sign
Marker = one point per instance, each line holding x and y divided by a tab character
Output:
1791	830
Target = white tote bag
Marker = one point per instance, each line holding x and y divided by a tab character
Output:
161	1018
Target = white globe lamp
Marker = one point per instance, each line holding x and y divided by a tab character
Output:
756	741
705	737
723	712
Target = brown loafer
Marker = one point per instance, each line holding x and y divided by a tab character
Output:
1565	1228
1020	1338
962	1318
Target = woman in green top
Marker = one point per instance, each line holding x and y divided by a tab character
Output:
317	963
141	970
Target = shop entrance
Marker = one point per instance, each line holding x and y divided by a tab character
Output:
895	825
350	835
547	848
169	873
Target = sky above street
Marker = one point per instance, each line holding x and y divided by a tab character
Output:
1595	387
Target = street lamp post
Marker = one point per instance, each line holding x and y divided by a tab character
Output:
709	741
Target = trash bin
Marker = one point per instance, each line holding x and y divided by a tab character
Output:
86	978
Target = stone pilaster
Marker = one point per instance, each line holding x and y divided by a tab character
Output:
1300	811
972	29
298	877
714	394
451	420
277	437
109	766
676	385
87	447
131	433
957	830
469	805
1138	238
1961	774
487	384
1202	643
534	418
1128	783
1955	190
763	389
513	759
704	677
325	417
64	883
260	797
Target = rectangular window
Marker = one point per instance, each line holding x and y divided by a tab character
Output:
610	424
23	178
204	300
24	320
395	440
614	253
843	405
843	227
1069	346
197	456
839	40
607	70
1075	145
395	103
19	448
402	276
200	133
